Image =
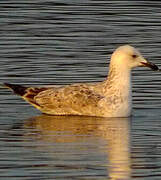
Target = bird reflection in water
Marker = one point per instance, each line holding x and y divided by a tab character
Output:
114	131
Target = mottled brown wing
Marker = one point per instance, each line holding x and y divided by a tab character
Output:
31	93
74	99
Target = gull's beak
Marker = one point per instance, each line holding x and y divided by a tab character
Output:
150	65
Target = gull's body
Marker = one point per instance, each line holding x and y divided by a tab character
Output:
110	98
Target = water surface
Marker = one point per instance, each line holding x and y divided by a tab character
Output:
61	42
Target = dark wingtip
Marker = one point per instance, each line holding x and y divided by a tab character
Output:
18	89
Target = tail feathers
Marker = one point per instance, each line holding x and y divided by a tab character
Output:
17	89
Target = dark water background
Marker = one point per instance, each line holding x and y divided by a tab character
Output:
66	41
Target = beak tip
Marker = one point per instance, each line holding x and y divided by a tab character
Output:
151	65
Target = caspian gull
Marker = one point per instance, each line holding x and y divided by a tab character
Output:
110	98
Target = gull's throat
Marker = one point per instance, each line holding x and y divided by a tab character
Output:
118	89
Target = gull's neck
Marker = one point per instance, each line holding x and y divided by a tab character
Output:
119	78
117	89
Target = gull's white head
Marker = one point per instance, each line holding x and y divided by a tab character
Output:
129	57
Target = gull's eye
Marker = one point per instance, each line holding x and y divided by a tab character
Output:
134	56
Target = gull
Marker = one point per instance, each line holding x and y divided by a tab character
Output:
109	98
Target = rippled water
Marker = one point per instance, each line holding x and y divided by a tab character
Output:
60	42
